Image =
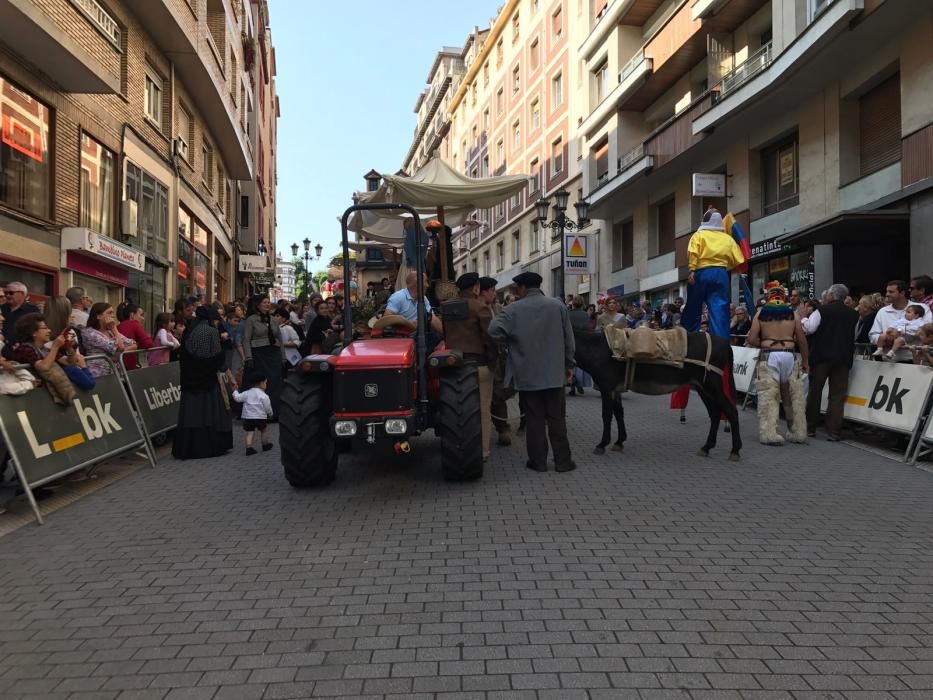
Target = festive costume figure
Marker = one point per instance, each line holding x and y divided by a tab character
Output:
711	254
776	330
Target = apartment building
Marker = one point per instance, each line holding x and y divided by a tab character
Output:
285	281
811	120
257	202
124	133
507	103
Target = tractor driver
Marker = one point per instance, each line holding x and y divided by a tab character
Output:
470	337
403	304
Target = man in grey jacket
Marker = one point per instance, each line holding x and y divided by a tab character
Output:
537	331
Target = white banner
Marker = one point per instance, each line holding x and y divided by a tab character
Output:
744	362
886	394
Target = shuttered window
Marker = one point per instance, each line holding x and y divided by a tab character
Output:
623	245
666	227
601	155
880	127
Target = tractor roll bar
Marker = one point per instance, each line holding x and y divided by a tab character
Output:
422	246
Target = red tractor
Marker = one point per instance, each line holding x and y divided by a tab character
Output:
381	389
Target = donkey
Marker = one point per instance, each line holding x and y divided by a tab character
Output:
594	356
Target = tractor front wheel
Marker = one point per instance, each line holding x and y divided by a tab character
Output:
460	425
309	451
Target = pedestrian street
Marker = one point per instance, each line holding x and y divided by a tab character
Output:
800	572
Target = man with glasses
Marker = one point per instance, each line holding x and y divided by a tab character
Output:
80	305
15	306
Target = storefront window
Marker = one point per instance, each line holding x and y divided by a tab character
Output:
780	177
200	273
794	271
193	260
97	186
147	289
25	172
152	198
38	283
185	267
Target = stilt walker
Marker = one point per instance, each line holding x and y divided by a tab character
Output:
712	253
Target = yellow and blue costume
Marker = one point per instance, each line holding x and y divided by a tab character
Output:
711	254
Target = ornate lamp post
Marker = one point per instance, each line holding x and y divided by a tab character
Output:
318	249
562	224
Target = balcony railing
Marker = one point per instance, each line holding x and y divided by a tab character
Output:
633	156
101	19
630	67
735	78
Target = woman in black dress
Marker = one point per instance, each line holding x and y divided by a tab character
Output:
262	351
204	427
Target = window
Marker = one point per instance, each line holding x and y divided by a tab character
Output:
151	197
516	29
557	156
25	172
780	177
533	53
557	91
98	186
184	132
601	80
666	227
244	210
535	237
500	257
516	134
486	74
153	97
557	25
535	182
485	167
486	263
500	152
473	265
473	134
880	127
601	156
486	120
207	165
499	54
220	188
515	201
228	198
516	79
474	92
535	115
500	211
516	247
623	245
500	101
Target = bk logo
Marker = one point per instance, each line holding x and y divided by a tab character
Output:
888	398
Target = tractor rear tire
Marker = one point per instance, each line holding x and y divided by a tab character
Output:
460	425
309	451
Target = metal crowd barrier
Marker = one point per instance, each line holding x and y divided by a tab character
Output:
155	392
47	442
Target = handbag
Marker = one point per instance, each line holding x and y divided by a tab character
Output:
57	384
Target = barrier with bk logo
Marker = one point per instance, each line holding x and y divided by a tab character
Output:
47	441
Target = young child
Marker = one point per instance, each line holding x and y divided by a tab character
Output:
177	333
922	351
257	410
164	339
903	332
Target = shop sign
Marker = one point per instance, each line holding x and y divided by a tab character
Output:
85	240
709	185
264	278
583	284
98	269
254	263
769	247
576	254
617	291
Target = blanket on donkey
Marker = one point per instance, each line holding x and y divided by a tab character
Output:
647	345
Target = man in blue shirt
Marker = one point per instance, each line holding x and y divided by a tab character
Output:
402	303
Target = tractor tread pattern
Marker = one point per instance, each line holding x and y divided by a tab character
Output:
309	451
460	423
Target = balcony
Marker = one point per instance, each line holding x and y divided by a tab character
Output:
747	86
628	168
630	12
675	136
57	47
186	42
681	42
631	77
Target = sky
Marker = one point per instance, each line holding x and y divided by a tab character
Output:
348	75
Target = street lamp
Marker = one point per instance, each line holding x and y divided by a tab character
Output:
561	223
318	249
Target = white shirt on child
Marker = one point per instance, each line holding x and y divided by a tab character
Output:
906	327
256	403
290	335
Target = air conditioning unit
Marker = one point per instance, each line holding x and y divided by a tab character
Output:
181	147
129	218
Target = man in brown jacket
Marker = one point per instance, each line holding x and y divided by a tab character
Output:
471	338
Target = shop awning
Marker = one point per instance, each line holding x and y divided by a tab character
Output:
854	226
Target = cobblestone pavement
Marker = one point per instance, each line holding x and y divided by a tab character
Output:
802	572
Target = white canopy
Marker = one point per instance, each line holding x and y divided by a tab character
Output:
433	186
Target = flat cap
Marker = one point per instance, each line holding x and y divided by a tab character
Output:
487	283
467	280
528	279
